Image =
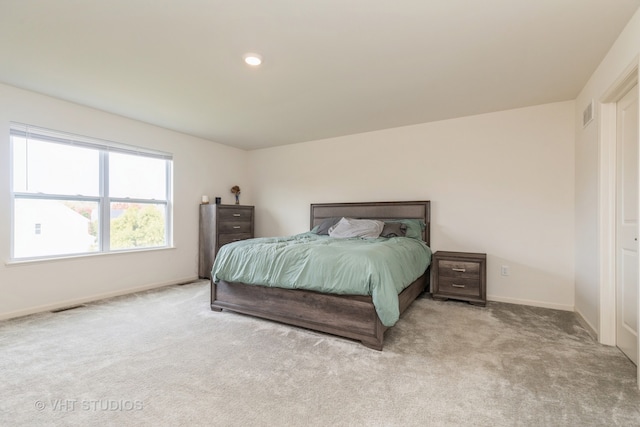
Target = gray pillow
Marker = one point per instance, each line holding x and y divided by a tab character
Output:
351	227
326	224
414	227
394	229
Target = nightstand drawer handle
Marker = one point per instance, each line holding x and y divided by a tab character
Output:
236	240
236	214
461	270
457	286
236	226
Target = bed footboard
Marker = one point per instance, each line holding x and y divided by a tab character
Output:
349	316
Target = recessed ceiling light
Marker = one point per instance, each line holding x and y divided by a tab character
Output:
252	59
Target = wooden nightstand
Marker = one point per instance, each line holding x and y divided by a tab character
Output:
460	275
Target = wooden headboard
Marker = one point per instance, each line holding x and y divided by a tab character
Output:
375	210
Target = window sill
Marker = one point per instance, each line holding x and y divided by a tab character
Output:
18	262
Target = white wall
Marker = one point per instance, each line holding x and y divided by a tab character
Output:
500	183
623	53
200	167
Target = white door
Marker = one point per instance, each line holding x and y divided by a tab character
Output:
627	225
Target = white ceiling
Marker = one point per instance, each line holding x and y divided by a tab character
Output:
331	67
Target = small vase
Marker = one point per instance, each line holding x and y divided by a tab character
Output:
237	199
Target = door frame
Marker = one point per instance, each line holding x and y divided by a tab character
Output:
607	203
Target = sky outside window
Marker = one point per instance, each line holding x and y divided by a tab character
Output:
137	177
44	167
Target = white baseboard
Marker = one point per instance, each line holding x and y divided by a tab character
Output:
532	303
77	301
587	325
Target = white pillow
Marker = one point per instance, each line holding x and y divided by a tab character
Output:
349	227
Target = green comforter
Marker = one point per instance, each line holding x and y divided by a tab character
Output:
379	267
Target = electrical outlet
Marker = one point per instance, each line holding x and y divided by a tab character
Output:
504	270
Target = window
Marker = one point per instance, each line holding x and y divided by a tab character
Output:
78	195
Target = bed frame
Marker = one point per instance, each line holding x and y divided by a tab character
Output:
349	316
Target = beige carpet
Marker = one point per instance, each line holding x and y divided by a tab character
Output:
162	358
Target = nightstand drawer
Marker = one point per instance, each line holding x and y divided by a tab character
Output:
459	286
235	214
462	269
234	227
223	239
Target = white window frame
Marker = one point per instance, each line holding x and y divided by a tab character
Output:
103	199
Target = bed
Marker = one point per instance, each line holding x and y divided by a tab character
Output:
349	316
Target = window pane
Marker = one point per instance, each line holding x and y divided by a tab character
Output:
137	225
45	167
54	227
137	177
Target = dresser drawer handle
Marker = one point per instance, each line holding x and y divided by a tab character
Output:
236	226
461	270
457	286
236	214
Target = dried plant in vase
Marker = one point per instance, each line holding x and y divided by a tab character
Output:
236	191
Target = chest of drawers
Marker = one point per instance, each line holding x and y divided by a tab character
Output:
219	225
460	275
